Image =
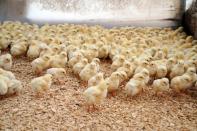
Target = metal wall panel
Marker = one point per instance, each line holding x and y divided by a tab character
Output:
106	12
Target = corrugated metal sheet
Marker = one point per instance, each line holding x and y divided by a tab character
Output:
105	12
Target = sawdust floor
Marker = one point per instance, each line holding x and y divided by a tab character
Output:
61	108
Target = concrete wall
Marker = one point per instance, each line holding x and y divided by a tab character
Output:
105	12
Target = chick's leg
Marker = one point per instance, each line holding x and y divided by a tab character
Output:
113	93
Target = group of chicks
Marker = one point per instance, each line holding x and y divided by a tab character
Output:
157	58
9	85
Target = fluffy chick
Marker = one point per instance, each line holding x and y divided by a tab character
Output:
135	86
3	85
19	49
95	80
41	84
57	73
114	82
34	49
88	71
8	74
161	85
161	71
6	61
40	64
14	87
177	70
59	61
103	52
74	60
143	64
117	63
181	83
95	94
79	66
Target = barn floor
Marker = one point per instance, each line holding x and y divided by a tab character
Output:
62	108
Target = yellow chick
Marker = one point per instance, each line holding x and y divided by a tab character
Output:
95	94
41	84
55	48
114	82
57	73
191	72
189	39
6	61
7	74
159	55
14	87
161	85
117	63
59	61
45	50
142	65
170	63
79	66
96	61
34	49
19	49
135	86
3	87
152	68
127	68
4	43
40	64
91	54
161	71
177	70
95	80
88	71
181	83
103	52
145	73
74	60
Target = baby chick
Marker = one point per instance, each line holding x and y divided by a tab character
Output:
170	63
3	87
95	80
117	63
41	84
114	82
74	60
7	74
14	87
161	85
79	66
127	67
6	61
59	61
181	83
143	64
95	94
161	71
103	52
4	42
34	49
88	71
152	68
191	72
145	73
57	73
19	49
135	86
40	64
177	70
